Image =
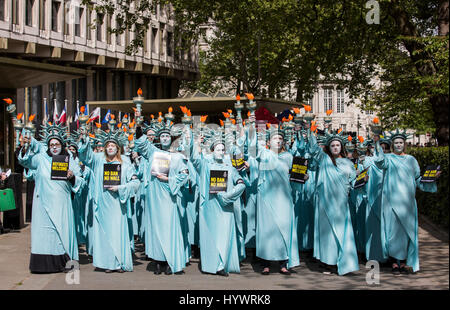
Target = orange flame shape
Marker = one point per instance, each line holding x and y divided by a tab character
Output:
221	122
361	139
159	119
296	110
124	129
340	129
189	113
183	109
113	116
8	100
119	125
376	120
243	123
170	109
130	137
160	113
134	109
226	115
313	123
98	125
249	96
91	135
152	116
230	111
50	123
139	92
285	119
238	97
291	117
268	125
307	108
88	121
203	118
125	116
31	118
233	121
313	128
82	109
329	112
350	138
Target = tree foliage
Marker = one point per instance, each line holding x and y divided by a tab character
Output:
397	67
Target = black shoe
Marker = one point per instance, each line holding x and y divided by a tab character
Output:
120	271
286	272
108	271
158	269
265	272
222	273
179	272
396	271
168	271
404	270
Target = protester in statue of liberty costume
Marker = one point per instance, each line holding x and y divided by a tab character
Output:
53	236
334	241
111	209
164	241
219	213
80	198
303	195
375	242
358	197
276	229
399	207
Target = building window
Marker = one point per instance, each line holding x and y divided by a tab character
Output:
169	43
154	39
340	101
67	17
29	12
2	9
328	99
78	17
55	11
15	12
99	27
42	14
108	29
161	39
88	24
344	127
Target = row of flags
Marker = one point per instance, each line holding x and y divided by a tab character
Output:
59	119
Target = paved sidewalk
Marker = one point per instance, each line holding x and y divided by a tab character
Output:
15	253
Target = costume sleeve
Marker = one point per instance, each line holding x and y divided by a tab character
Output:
315	150
130	187
178	176
29	160
85	153
144	147
379	158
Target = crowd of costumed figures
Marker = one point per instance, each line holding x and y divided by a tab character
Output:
274	190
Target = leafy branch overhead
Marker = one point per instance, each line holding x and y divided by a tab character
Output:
285	48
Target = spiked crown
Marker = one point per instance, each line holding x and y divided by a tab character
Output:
54	131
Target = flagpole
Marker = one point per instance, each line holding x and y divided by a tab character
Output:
46	112
67	115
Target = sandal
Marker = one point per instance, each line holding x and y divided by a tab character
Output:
285	272
395	269
265	271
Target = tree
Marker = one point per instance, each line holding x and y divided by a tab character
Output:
270	44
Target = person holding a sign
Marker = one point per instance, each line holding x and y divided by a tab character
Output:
334	241
220	189
303	188
164	239
276	229
114	183
399	207
53	236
